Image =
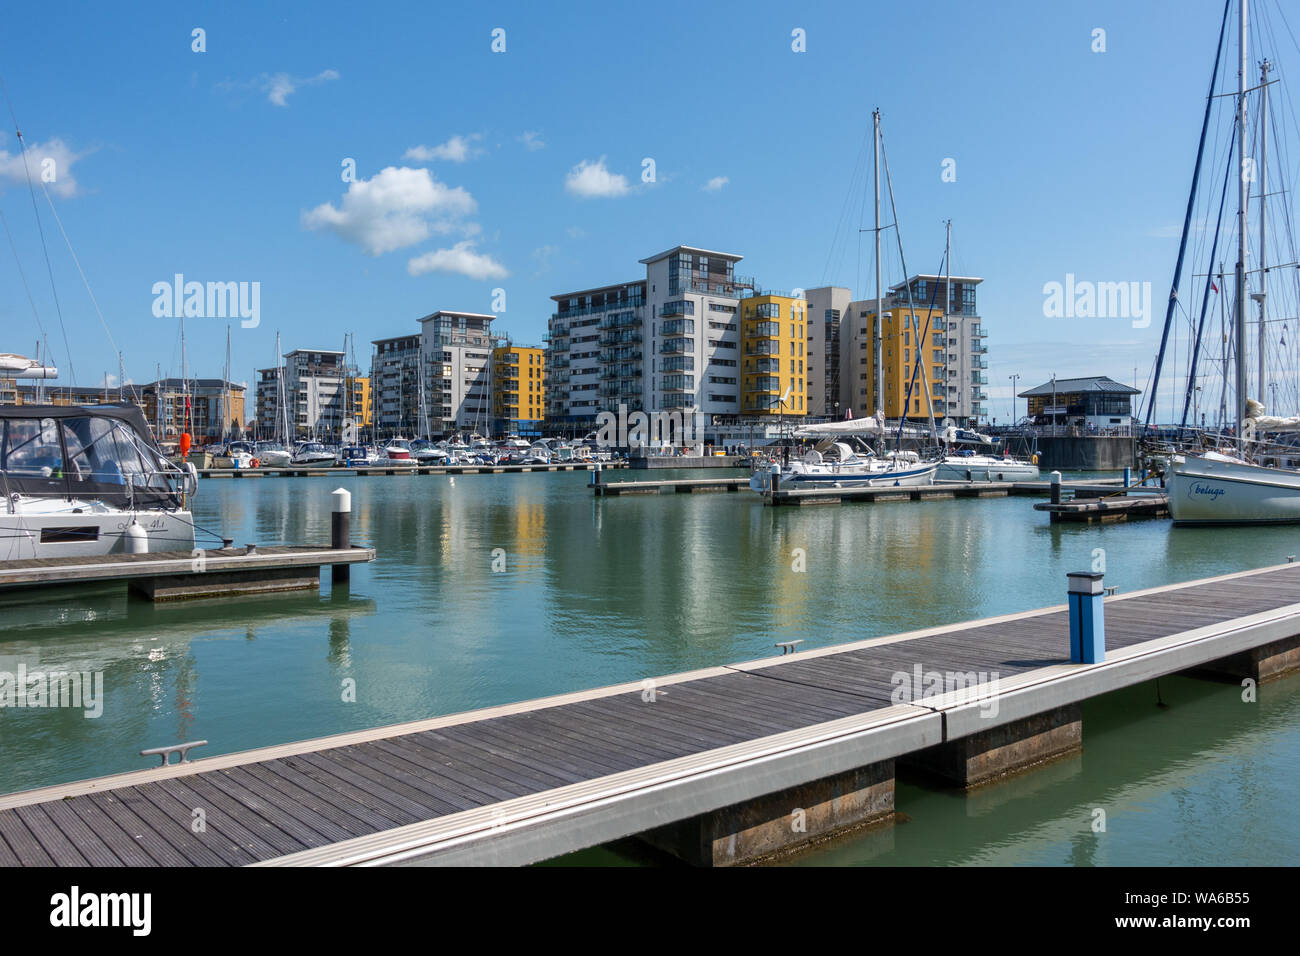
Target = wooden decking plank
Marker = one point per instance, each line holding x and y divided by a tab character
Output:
607	743
211	847
542	752
51	837
251	832
292	794
25	846
663	716
695	704
778	698
95	850
662	726
434	764
324	768
377	780
610	738
117	804
366	807
298	821
123	844
7	856
547	774
446	783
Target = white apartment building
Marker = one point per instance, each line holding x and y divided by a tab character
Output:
670	342
315	392
966	358
457	357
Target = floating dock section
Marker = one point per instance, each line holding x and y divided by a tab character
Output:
309	471
723	766
176	575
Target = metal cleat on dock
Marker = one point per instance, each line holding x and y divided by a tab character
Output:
166	752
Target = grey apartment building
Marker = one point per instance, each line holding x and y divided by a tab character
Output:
437	381
668	342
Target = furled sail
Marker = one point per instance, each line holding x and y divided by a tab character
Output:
19	366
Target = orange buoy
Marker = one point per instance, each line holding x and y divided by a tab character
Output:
185	444
255	463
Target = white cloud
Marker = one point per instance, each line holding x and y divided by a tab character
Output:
278	87
576	232
716	183
543	255
591	180
397	207
456	150
532	140
50	163
461	259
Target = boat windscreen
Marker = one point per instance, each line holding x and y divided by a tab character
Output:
86	456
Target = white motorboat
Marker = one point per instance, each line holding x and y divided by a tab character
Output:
426	452
313	453
396	453
835	464
238	454
271	454
82	481
354	456
969	466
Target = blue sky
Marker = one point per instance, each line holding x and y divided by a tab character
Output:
503	168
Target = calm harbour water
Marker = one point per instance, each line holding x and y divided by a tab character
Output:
599	592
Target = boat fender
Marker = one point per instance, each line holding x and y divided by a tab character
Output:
136	539
1033	459
255	463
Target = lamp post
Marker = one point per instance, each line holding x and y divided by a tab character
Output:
1014	378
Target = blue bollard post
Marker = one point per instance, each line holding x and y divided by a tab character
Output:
1087	618
1128	476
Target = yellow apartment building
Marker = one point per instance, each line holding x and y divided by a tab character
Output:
518	393
773	334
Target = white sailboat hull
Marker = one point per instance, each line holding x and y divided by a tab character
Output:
78	528
830	476
985	468
1204	491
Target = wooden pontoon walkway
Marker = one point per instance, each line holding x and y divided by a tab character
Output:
531	781
230	570
329	471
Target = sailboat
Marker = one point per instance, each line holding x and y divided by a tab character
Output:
272	453
85	480
1231	484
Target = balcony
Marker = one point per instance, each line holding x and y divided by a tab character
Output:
979	349
978	331
597	309
766	347
679	307
980	363
677	347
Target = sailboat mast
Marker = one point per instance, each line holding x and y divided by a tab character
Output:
1263	192
947	320
1240	315
878	390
